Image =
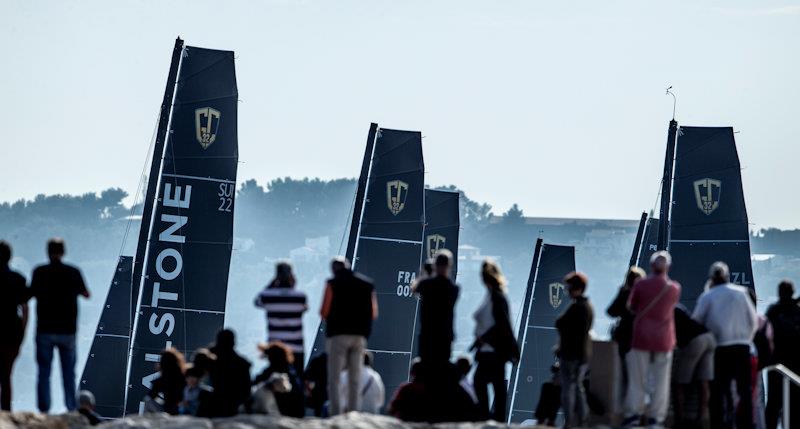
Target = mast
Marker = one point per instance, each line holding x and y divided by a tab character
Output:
155	168
523	323
355	222
666	187
638	242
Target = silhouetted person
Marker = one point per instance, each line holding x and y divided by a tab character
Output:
438	295
694	363
725	309
495	344
411	402
316	383
197	395
371	389
464	366
56	287
622	333
230	376
167	389
281	361
86	407
349	307
285	305
574	350
784	316
13	319
649	361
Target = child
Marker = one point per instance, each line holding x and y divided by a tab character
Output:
195	394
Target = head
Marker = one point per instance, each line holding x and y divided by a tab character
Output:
171	363
491	275
226	341
55	249
463	365
277	353
443	262
284	275
193	376
634	275
203	359
5	253
660	262
86	400
368	358
786	290
719	274
576	283
339	264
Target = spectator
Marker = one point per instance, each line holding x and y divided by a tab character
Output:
316	384
13	319
56	287
622	332
494	343
411	402
652	302
203	360
464	366
86	407
196	395
438	295
784	316
371	389
574	350
281	361
284	306
230	376
167	389
549	398
695	363
349	307
725	309
760	357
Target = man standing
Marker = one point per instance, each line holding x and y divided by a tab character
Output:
575	349
348	308
13	319
784	316
726	310
652	303
438	295
56	287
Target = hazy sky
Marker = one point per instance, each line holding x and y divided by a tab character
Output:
558	106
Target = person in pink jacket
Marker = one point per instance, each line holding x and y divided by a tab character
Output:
652	301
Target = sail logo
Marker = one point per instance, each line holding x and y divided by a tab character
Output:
206	124
556	294
396	193
707	193
435	243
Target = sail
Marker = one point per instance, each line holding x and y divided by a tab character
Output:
182	297
709	218
104	373
550	299
389	247
649	243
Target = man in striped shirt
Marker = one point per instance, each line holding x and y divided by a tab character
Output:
285	306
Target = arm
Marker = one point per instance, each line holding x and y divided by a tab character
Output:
633	300
325	311
700	310
24	316
374	305
82	289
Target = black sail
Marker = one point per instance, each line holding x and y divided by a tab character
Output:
389	247
182	298
549	301
709	218
104	373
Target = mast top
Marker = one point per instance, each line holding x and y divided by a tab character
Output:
674	101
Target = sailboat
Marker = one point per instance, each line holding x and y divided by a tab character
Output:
545	299
172	292
702	217
389	237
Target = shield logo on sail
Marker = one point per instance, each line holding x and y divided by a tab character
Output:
556	294
396	193
435	243
206	122
707	193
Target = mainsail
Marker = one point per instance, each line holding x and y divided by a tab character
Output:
545	299
709	220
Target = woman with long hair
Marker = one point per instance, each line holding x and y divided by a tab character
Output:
168	387
495	344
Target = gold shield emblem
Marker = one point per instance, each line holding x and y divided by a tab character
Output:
396	193
556	294
206	123
707	193
435	243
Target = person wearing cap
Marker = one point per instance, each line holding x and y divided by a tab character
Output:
727	311
649	362
574	350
